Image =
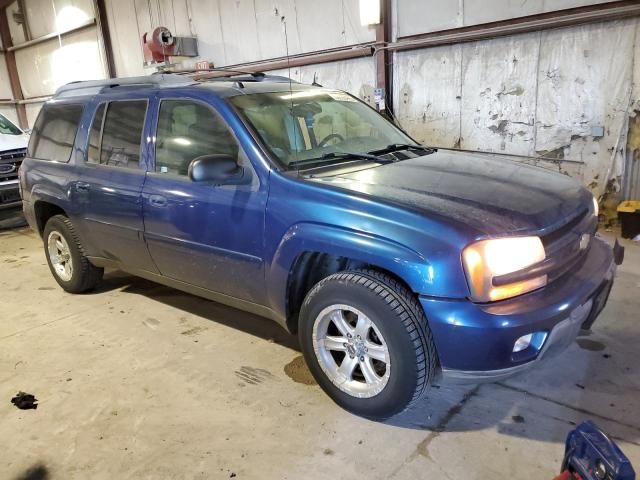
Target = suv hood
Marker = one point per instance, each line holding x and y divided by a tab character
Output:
13	142
493	196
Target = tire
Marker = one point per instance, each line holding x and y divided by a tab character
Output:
75	274
403	372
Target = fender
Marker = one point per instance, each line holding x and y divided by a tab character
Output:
44	193
407	264
45	182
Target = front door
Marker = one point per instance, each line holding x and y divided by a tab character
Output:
206	235
108	190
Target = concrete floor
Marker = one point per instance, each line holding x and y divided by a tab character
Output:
141	381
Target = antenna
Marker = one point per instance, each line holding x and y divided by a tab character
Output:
286	44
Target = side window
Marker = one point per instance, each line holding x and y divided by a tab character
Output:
188	130
54	132
93	153
122	133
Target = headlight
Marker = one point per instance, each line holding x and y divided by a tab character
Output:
596	207
488	259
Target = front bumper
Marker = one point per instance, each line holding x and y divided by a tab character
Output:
475	342
9	195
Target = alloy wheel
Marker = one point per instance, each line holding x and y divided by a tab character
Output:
351	351
60	256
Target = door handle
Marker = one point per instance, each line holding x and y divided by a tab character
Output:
82	187
157	201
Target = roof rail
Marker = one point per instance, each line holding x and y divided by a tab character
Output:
93	87
230	75
252	78
219	71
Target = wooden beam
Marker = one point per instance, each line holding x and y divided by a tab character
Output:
103	25
312	58
12	69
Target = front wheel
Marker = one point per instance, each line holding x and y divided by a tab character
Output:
366	341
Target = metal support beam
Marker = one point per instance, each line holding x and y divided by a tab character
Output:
52	35
383	62
103	24
532	23
301	60
12	69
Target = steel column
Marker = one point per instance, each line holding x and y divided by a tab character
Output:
12	68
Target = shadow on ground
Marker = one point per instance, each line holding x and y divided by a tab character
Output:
36	472
215	312
502	406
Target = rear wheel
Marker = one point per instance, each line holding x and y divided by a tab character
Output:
68	264
367	343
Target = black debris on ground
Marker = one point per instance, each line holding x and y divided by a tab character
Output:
25	401
518	419
580	386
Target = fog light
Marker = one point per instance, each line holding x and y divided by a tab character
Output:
522	343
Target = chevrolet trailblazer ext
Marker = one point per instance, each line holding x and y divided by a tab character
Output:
393	262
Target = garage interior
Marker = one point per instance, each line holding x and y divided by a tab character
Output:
137	380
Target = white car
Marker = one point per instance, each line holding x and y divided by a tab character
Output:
13	148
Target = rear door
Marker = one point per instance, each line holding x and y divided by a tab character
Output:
206	235
109	187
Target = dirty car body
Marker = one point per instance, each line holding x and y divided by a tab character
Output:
498	263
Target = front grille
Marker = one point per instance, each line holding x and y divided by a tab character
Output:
10	161
562	245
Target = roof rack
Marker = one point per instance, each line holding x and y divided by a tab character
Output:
248	79
93	87
230	75
219	71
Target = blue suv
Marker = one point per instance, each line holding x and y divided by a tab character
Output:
396	264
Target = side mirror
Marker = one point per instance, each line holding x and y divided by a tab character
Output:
218	169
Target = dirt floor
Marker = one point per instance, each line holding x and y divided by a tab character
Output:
140	381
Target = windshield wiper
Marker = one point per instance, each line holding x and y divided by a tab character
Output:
395	147
329	158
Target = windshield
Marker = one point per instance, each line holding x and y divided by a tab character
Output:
309	124
8	128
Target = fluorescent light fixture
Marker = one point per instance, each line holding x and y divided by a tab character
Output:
369	12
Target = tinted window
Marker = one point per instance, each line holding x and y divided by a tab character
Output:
54	132
308	124
188	130
122	133
93	153
7	127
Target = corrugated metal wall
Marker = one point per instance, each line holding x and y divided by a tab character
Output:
424	16
239	31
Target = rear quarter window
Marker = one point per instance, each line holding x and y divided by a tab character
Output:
54	133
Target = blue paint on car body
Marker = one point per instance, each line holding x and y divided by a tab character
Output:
411	217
